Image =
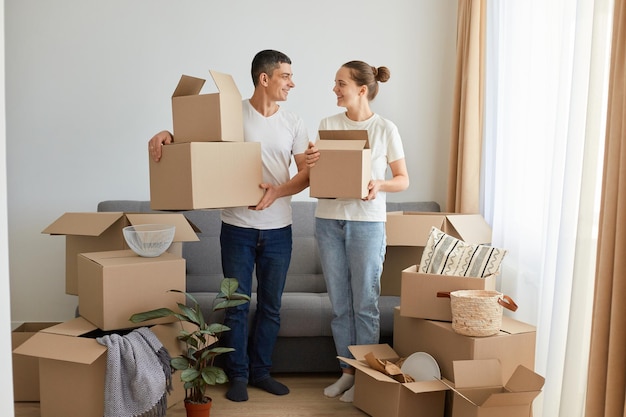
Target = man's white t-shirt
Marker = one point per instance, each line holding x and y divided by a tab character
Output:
386	147
281	135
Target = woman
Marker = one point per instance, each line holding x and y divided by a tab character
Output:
351	232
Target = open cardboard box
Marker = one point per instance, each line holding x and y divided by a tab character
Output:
114	285
480	391
25	368
102	231
212	117
379	395
407	234
418	296
345	165
205	175
514	345
72	367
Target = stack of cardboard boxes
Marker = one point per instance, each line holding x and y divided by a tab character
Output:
480	375
209	166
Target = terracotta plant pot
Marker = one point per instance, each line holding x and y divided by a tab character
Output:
198	410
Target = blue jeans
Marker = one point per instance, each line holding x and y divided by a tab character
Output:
352	255
243	250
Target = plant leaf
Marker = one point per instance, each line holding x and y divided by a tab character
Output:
152	314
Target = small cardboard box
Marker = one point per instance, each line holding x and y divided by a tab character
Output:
213	117
479	390
102	231
26	369
418	296
379	395
204	175
407	234
514	345
72	367
345	165
113	285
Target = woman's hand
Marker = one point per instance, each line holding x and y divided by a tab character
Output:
156	143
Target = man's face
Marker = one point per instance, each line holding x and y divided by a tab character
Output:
280	82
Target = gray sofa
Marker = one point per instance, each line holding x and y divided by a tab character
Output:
305	342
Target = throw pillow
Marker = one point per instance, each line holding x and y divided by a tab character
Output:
447	255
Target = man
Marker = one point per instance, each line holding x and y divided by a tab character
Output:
260	237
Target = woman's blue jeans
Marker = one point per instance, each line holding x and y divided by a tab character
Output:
352	255
245	250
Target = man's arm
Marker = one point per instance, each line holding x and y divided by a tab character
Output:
296	184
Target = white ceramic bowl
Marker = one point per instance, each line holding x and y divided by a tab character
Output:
149	240
421	366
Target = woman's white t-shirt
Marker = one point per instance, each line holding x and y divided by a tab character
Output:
386	147
281	135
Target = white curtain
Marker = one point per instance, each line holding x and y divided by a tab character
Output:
546	82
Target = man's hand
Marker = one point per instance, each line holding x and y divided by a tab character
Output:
156	143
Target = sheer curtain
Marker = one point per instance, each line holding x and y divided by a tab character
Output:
545	109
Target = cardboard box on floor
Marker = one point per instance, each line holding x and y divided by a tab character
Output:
407	234
479	390
102	231
25	368
73	367
514	345
345	165
379	395
204	175
213	117
418	297
114	285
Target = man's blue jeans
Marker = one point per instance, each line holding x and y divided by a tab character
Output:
243	250
352	255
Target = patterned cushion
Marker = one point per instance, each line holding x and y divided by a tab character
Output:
447	255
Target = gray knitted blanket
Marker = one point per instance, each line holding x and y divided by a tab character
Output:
138	375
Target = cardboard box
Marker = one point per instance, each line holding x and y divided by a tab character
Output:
418	296
514	345
213	117
73	367
114	285
203	175
102	231
26	369
379	395
407	234
479	390
344	169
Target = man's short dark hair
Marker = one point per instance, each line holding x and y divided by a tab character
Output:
266	62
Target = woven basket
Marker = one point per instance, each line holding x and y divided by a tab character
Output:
478	312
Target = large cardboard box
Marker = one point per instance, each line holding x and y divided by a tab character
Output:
102	231
407	234
514	345
419	299
479	390
379	395
25	368
212	117
72	367
204	175
345	165
114	285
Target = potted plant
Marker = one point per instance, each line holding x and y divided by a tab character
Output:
196	363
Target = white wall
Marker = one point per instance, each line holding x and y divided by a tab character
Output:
89	82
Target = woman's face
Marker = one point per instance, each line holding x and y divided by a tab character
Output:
346	90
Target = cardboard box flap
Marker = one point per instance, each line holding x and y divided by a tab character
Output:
411	228
343	139
426	386
472	228
523	379
505	399
382	352
188	86
185	230
75	327
225	83
62	348
83	224
512	326
477	373
365	368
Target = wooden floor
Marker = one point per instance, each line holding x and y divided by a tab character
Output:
305	399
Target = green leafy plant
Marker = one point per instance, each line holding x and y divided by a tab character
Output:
196	363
